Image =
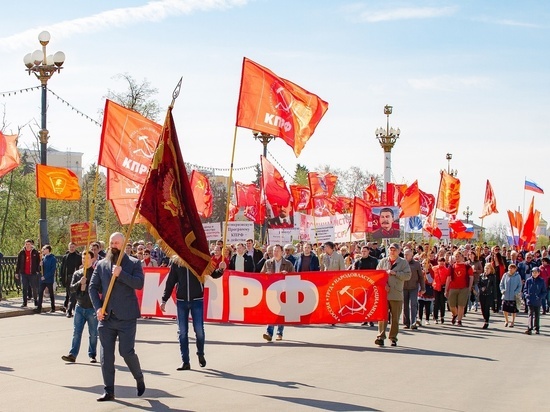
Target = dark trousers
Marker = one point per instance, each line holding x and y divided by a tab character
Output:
29	283
439	304
70	300
109	329
534	318
426	306
43	287
487	303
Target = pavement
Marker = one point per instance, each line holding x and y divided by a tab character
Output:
321	367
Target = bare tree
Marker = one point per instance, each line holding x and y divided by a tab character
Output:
137	97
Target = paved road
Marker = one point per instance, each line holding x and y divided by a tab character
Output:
437	368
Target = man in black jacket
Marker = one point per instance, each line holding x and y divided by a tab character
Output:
366	262
84	312
27	270
241	261
189	298
71	261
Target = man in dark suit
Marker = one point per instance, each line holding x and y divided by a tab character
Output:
241	261
121	313
285	219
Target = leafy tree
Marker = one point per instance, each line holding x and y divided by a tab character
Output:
138	96
301	175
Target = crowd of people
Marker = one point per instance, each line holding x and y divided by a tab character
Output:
424	282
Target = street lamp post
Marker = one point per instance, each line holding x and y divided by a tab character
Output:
264	139
43	66
387	138
468	213
452	172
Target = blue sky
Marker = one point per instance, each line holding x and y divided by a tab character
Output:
469	78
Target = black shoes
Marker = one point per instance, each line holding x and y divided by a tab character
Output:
485	325
528	332
202	361
394	343
379	342
93	360
106	397
69	358
140	387
185	366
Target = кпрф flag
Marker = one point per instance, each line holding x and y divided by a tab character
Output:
277	106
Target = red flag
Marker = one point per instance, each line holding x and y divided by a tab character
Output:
247	194
512	219
274	185
457	226
321	184
430	226
202	193
323	206
128	142
410	204
490	202
166	203
301	196
233	210
120	187
427	203
394	195
343	204
56	183
124	210
449	194
529	227
371	194
519	221
361	220
277	106
9	155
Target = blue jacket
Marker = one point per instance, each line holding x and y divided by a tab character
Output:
123	301
534	290
49	265
510	286
313	263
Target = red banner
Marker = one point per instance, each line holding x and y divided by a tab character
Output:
295	298
79	233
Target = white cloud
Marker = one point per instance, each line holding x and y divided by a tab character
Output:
506	22
406	13
448	83
152	11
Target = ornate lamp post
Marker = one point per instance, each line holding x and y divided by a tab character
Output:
468	213
452	172
43	66
387	138
264	139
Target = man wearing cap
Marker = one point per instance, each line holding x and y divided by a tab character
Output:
398	271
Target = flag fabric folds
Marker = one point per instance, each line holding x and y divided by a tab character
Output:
128	141
430	226
120	187
321	184
532	186
276	106
166	203
449	194
202	193
9	155
56	183
410	203
427	203
490	202
247	194
274	185
361	220
301	196
371	194
528	234
124	210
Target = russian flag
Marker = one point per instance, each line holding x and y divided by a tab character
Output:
532	186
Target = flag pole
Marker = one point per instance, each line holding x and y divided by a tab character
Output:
229	185
524	180
91	221
175	95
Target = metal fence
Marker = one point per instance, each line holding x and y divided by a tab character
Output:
8	283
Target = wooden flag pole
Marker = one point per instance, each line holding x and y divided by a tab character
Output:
175	95
229	185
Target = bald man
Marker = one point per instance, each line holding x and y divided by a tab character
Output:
120	317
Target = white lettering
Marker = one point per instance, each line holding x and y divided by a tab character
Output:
292	307
243	293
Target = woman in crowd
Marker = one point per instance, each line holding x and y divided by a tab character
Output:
487	286
510	287
425	299
440	274
477	267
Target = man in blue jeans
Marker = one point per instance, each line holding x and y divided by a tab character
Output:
84	312
189	299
